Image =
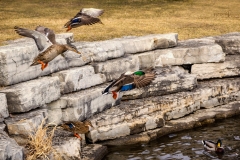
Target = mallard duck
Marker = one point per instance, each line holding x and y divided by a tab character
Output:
77	127
86	16
212	146
49	48
128	81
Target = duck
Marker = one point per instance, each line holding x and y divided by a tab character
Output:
130	80
77	127
86	16
47	45
212	146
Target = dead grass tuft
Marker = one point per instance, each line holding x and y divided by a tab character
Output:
40	144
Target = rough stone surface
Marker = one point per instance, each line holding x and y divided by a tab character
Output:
229	42
9	149
26	123
112	69
230	67
79	78
168	80
15	60
68	148
188	52
94	152
199	118
134	45
80	105
3	107
32	94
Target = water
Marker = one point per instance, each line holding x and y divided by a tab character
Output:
185	145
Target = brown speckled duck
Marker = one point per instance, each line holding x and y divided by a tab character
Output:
86	16
46	43
77	127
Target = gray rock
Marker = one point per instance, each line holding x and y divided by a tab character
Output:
94	152
9	149
32	94
3	107
147	43
188	52
79	78
26	123
168	80
229	42
230	67
112	69
81	105
69	148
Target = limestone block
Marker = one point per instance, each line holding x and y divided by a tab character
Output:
168	80
3	107
189	52
69	148
9	149
229	42
75	79
25	123
32	94
101	50
94	152
149	42
112	69
83	104
54	116
230	67
197	119
16	58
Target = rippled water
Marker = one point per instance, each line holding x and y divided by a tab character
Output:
186	144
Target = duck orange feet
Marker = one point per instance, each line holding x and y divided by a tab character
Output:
77	135
44	65
69	28
114	94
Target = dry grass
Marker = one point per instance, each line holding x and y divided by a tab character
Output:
40	144
188	18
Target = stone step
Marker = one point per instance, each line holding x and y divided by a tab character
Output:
197	119
104	50
230	67
26	123
3	107
75	79
187	52
16	58
168	80
94	152
31	94
9	148
130	116
80	105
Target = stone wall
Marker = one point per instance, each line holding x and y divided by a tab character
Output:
197	81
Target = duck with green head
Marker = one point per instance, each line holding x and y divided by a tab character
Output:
77	127
212	146
130	80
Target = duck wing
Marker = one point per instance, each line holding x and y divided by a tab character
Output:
143	80
92	12
47	32
209	145
40	39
